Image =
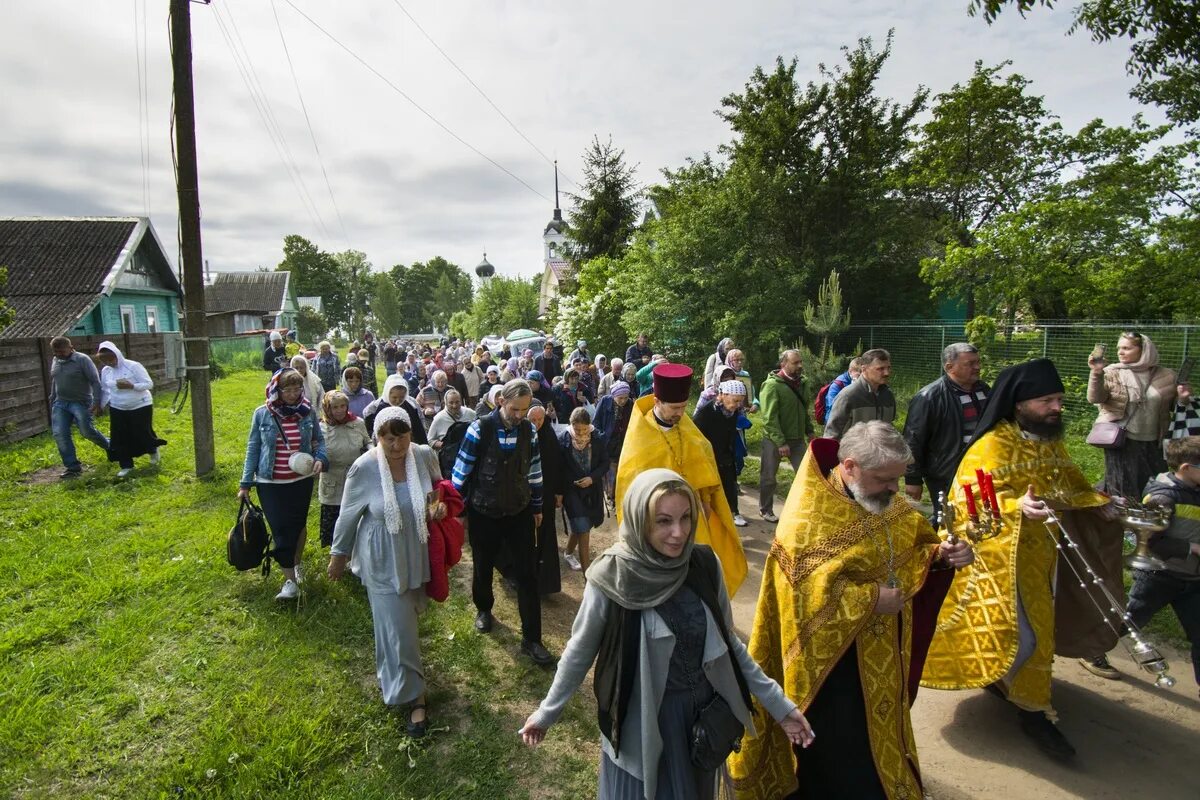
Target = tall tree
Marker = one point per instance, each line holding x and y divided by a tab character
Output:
1164	38
356	273
431	292
386	307
315	273
605	212
502	304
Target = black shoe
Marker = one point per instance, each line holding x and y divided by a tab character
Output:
72	473
1100	666
416	729
1045	734
483	622
538	654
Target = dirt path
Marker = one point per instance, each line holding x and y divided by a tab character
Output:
1133	739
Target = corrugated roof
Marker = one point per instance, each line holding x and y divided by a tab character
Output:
252	292
57	267
561	269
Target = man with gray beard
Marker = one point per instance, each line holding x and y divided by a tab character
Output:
849	596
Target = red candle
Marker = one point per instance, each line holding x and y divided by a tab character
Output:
971	509
992	500
981	482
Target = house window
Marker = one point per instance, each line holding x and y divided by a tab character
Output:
151	319
128	319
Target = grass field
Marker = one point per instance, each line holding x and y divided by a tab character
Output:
135	663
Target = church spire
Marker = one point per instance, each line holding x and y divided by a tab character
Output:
557	210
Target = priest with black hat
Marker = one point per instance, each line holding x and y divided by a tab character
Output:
1006	616
662	435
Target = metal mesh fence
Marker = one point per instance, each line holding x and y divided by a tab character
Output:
916	349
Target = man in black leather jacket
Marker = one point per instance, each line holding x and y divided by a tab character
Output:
941	421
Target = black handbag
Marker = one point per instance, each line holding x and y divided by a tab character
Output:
249	541
715	734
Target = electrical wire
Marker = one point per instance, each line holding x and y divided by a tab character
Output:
482	93
143	118
415	104
262	104
307	121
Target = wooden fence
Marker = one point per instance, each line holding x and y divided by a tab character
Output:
25	375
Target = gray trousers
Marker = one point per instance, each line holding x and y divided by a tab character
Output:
770	465
397	646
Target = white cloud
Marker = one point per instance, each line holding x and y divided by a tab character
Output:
651	74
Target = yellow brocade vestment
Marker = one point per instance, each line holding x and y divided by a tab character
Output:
978	632
684	449
819	588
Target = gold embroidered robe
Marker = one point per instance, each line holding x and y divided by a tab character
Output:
978	632
820	584
684	449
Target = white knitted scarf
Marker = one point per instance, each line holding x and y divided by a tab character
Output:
417	481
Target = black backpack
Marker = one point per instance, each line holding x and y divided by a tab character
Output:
451	442
249	543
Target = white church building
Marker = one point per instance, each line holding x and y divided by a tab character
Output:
557	268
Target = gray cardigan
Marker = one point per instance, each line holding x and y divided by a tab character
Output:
641	743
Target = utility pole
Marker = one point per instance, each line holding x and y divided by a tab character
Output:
187	183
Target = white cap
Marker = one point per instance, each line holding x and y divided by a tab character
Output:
276	336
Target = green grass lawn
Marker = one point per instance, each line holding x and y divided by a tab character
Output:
135	663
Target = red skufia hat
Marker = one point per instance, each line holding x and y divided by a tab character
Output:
672	382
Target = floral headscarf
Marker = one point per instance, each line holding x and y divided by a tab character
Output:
275	402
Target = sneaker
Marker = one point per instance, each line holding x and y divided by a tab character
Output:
290	591
155	457
572	561
740	521
125	473
1045	735
769	516
1100	666
71	473
537	653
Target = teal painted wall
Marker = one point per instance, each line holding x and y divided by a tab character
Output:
105	318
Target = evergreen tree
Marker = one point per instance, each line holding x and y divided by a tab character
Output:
605	213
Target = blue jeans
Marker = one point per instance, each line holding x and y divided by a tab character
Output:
62	415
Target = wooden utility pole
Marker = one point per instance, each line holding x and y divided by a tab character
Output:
187	182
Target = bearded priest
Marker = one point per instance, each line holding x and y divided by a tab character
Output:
850	591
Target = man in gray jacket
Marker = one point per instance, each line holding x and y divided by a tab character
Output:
868	398
74	400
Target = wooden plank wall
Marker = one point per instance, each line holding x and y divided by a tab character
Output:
25	376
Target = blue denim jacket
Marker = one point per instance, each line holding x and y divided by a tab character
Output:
264	433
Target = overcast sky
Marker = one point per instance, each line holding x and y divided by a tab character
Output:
648	73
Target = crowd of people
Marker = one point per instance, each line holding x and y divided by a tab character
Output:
864	599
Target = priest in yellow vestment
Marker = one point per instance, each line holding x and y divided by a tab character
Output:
662	435
837	624
997	626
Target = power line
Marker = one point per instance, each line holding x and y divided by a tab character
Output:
308	122
143	102
417	105
266	114
482	93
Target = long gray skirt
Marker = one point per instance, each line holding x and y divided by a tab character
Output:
677	778
397	645
1128	468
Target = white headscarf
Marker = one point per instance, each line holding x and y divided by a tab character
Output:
417	481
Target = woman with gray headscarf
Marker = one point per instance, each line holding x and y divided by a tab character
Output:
383	532
1138	395
655	605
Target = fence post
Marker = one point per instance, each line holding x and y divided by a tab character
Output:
1045	340
44	358
943	342
871	339
1186	328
